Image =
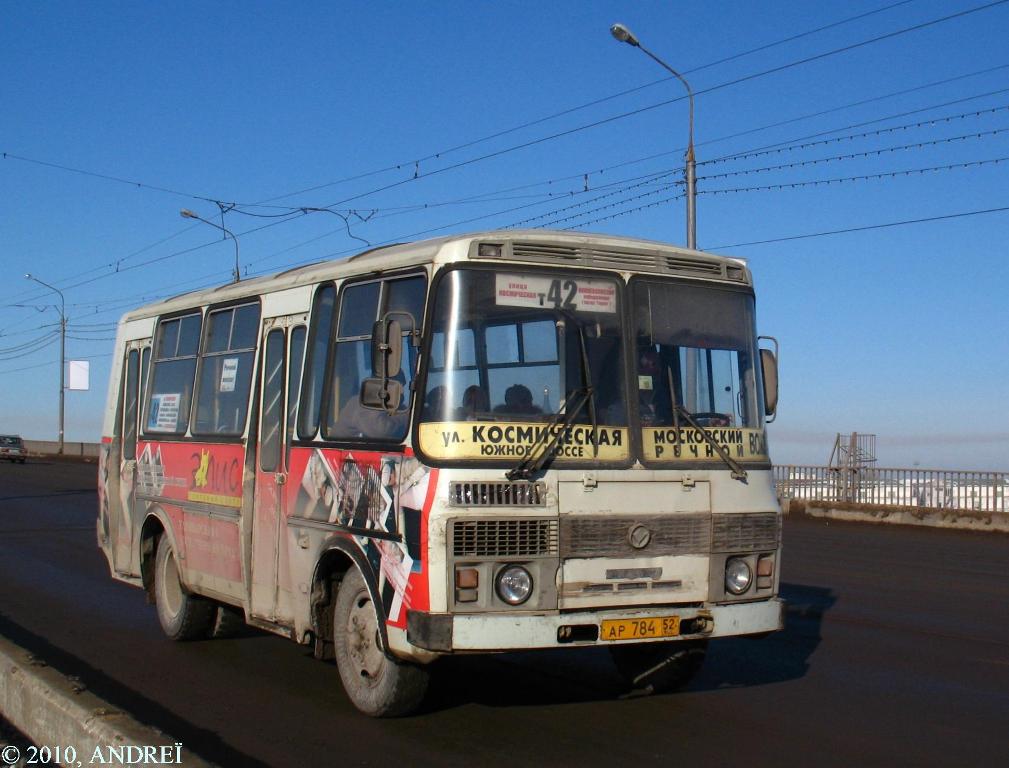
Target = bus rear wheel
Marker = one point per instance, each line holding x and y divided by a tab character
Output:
659	667
376	684
183	616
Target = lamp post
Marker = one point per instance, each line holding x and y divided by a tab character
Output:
188	214
624	35
63	348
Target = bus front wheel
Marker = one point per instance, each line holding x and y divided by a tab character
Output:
375	683
183	616
659	667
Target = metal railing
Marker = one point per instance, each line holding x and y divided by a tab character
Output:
931	488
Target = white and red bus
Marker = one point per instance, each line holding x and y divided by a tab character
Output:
491	442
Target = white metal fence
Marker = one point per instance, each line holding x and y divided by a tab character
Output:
932	488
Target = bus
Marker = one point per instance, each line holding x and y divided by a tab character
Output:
500	441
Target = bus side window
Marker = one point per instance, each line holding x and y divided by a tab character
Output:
347	418
360	306
145	372
272	421
310	403
226	370
172	375
296	360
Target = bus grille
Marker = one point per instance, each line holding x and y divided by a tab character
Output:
747	532
584	536
497	494
504	538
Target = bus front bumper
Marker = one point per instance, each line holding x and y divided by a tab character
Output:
445	633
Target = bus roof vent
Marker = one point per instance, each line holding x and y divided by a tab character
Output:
737	273
681	265
642	259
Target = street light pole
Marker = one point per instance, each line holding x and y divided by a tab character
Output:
624	35
63	348
188	214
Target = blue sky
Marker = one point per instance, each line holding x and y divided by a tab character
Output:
901	331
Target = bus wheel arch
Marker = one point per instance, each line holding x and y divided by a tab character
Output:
151	531
338	559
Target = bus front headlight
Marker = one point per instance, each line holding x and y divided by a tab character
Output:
737	575
514	584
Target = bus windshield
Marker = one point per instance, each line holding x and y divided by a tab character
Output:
696	364
523	355
524	363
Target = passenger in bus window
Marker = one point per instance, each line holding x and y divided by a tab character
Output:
357	421
518	399
435	406
474	402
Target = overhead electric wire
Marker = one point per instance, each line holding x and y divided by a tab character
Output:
862	177
710	89
636	209
854	155
22	369
728	157
584	175
782	149
608	206
817	135
777	148
742	79
864	228
774	187
595	102
40	340
27	353
105	176
861	135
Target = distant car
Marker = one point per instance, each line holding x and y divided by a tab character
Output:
12	448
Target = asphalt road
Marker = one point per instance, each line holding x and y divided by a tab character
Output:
896	652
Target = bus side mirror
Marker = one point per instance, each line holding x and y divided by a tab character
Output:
383	391
386	348
381	394
769	367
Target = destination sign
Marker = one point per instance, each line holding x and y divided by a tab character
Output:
688	444
572	294
513	441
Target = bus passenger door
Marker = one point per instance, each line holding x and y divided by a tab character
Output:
283	350
122	521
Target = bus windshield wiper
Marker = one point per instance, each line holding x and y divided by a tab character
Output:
738	473
549	437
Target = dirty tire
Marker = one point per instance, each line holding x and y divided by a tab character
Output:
183	616
659	667
375	683
227	621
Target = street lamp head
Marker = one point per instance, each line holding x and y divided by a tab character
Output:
187	214
624	35
28	276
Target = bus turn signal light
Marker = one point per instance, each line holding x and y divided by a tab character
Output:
467	584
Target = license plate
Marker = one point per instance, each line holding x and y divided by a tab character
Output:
639	629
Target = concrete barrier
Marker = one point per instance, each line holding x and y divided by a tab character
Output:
52	709
87	451
931	517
